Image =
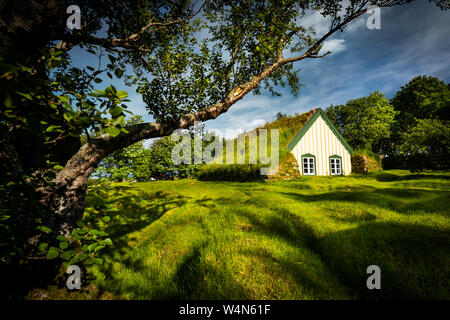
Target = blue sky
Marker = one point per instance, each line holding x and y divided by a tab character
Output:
414	39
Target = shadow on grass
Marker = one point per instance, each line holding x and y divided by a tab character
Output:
136	209
387	177
196	278
403	201
191	279
282	224
414	260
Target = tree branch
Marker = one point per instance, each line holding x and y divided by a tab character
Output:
125	43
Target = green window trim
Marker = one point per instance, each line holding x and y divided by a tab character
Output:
335	156
308	155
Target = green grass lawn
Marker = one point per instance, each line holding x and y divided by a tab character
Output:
311	238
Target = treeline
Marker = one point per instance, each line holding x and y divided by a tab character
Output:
137	163
410	131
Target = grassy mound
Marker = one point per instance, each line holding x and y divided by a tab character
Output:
288	127
365	161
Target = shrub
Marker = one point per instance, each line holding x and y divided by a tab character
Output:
415	162
365	161
230	172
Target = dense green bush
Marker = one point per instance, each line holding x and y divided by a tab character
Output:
230	172
416	162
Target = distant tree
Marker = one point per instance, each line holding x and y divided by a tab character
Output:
423	97
130	163
429	138
364	122
160	158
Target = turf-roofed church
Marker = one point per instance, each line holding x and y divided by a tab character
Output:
320	149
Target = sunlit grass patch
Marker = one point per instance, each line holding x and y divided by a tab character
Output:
310	238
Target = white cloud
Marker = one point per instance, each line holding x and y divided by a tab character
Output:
334	46
315	20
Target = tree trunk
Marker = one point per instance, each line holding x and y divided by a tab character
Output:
65	198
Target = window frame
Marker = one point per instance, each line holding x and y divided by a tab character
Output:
335	156
308	155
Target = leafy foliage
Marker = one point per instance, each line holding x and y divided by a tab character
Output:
243	38
364	122
422	98
231	172
136	163
128	164
420	135
161	164
45	114
430	138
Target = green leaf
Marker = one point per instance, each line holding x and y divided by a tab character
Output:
118	73
108	242
43	246
63	245
53	128
26	95
61	238
113	131
58	167
82	256
106	218
102	233
98	248
122	94
80	223
92	246
53	253
93	232
74	260
83	231
115	111
44	229
8	101
68	254
63	99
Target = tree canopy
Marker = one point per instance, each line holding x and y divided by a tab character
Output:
364	122
424	97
